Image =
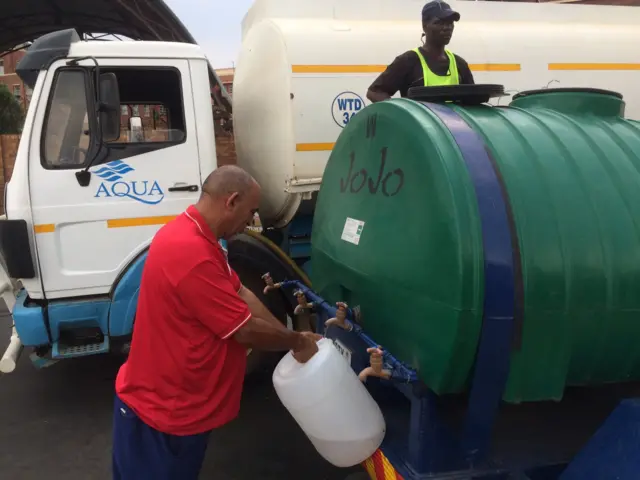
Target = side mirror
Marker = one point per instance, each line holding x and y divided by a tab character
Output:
109	107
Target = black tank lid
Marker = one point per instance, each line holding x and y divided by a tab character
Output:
43	52
462	94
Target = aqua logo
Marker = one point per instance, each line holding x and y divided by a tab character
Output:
144	191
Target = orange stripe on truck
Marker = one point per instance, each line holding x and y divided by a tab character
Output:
116	223
495	67
314	147
139	222
338	68
594	66
476	67
45	228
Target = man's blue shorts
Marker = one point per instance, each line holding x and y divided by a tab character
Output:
143	453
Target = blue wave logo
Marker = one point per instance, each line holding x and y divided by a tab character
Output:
144	191
114	171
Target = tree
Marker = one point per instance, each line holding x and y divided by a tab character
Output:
11	117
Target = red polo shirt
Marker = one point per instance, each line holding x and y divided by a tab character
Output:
184	374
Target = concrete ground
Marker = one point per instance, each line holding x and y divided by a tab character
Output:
56	424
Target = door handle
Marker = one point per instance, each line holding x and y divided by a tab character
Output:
184	188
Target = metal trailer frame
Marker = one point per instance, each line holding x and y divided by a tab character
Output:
425	445
430	448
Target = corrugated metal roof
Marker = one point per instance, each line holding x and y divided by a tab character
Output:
25	20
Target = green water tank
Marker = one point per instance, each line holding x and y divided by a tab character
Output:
442	222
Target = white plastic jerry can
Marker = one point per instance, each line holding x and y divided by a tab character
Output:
331	405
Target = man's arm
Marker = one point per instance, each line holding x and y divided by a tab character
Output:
262	335
209	294
394	78
377	96
256	307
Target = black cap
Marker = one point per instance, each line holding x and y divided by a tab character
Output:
438	10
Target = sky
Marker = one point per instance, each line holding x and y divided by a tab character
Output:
215	24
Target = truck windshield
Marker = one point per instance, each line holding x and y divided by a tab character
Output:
66	134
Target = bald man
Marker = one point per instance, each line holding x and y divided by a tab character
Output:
194	323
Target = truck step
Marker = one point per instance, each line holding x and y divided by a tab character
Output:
69	351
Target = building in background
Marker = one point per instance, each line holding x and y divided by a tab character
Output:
226	78
10	78
223	122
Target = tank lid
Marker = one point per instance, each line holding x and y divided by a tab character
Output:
461	94
577	101
538	91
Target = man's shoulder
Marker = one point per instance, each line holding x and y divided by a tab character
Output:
183	229
405	58
177	231
409	55
179	243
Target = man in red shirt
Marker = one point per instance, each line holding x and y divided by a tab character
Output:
194	323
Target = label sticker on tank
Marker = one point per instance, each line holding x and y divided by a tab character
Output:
352	230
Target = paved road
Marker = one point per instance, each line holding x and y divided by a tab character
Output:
56	424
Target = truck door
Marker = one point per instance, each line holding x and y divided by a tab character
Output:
87	235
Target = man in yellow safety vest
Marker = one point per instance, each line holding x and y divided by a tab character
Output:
429	65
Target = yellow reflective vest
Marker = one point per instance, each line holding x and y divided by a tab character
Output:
433	80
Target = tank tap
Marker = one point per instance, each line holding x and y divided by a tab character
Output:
270	284
303	312
303	303
376	369
339	319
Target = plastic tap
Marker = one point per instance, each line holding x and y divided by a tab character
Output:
340	319
376	369
303	312
270	284
303	303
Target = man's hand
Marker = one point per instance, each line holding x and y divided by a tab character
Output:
376	96
307	347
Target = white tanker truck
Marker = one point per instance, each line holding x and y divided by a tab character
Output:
86	199
83	205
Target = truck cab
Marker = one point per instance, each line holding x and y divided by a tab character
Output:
117	141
